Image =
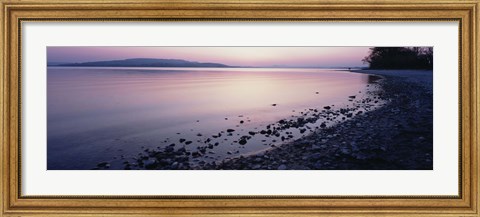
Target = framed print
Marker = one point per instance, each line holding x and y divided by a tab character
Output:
252	108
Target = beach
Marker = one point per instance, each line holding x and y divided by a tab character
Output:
389	129
396	136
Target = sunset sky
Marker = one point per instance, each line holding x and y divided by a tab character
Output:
234	56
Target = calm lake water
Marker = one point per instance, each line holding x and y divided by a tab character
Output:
104	114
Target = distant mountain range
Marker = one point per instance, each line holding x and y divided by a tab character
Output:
142	62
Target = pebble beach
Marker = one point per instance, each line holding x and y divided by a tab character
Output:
390	128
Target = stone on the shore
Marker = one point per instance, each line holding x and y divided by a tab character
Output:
256	167
103	164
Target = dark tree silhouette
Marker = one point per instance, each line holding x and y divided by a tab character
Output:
400	58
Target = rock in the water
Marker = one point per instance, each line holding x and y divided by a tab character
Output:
169	149
242	142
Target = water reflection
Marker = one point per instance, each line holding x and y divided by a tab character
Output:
98	114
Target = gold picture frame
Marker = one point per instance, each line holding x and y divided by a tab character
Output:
15	12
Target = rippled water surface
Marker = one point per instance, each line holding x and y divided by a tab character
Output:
101	114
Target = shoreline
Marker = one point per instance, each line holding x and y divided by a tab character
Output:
390	127
267	136
396	136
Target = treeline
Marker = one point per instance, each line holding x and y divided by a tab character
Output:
400	58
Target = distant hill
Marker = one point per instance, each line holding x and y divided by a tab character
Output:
145	62
56	63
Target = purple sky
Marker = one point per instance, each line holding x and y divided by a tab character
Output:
235	56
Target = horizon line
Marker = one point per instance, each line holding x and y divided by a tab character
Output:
64	64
